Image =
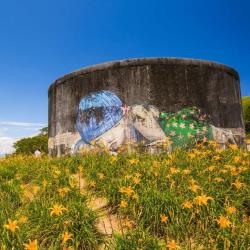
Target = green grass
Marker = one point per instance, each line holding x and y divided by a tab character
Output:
164	187
44	177
149	187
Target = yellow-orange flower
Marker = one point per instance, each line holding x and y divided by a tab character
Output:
156	174
127	190
211	168
128	176
164	218
133	161
44	183
92	184
35	189
66	236
93	142
142	142
32	245
156	164
217	157
235	172
202	200
212	143
123	204
138	175
223	171
172	245
223	222
167	162
186	171
56	172
233	146
191	155
187	204
68	248
230	210
194	188
136	180
12	225
63	191
237	159
80	168
192	181
242	169
57	209
174	170
100	176
113	158
66	223
23	220
128	223
218	179
238	184
229	167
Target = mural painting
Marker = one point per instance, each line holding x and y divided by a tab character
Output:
103	120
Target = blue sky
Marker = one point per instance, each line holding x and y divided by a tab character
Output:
42	40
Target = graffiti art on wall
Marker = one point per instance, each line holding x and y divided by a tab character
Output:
102	119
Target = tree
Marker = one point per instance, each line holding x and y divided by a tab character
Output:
30	144
44	131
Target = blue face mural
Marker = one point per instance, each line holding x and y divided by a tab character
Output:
98	112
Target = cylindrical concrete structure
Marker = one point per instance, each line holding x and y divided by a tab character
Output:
169	84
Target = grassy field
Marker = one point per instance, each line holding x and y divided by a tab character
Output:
196	199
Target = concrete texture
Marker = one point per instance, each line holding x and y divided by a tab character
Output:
168	83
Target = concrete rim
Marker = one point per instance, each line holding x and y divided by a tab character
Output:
141	62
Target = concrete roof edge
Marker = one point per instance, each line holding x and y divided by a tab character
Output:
141	62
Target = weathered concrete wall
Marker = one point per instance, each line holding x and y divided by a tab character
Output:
168	83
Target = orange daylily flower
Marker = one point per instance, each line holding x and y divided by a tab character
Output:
164	218
57	209
172	245
202	200
12	225
32	245
187	204
230	210
66	236
123	204
194	188
133	161
223	222
127	190
238	184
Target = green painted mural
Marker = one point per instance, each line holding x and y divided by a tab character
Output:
186	127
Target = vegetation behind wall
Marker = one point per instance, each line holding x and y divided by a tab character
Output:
246	113
30	144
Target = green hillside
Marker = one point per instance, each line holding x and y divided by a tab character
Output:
196	199
246	113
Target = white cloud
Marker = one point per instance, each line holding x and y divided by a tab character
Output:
14	129
6	145
21	124
11	131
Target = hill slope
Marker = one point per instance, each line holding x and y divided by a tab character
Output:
246	113
194	199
